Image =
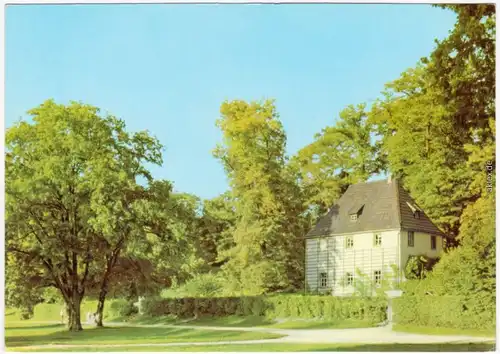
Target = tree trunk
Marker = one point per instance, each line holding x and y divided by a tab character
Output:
100	308
102	295
104	284
74	320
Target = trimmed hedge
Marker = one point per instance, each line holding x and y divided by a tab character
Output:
276	306
327	307
443	311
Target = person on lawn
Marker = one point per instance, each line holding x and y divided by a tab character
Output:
63	314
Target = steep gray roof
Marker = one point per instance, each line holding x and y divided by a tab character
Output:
384	206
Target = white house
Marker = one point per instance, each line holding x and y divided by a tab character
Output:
373	228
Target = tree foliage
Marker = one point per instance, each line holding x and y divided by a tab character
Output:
463	65
215	227
73	204
339	156
267	252
460	76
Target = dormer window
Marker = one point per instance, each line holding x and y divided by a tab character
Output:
415	210
355	211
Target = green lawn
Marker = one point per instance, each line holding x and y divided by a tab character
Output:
49	312
35	332
26	334
297	324
444	331
229	321
148	320
278	347
252	321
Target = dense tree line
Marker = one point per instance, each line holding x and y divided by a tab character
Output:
78	219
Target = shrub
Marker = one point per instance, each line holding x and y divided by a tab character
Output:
203	285
121	308
26	313
417	267
443	311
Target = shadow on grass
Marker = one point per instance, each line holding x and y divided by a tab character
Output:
299	347
27	327
444	331
147	320
447	347
231	321
298	324
296	347
246	321
127	335
228	321
431	347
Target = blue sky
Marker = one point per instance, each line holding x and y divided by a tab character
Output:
167	68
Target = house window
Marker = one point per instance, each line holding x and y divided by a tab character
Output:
354	217
323	280
411	238
349	277
349	242
416	215
377	277
433	242
377	241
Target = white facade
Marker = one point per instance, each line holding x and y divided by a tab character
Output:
421	246
333	263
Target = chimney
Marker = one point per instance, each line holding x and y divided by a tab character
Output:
389	179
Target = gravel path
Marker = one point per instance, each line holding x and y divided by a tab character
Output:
376	335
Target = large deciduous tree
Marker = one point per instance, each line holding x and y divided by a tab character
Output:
72	198
340	155
422	146
433	112
267	255
438	128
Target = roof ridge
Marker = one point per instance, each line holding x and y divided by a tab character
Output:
369	182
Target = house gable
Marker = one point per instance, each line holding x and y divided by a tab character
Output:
412	216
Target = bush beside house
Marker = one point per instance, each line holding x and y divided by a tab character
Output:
442	311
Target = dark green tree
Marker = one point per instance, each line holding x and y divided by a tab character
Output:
268	251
